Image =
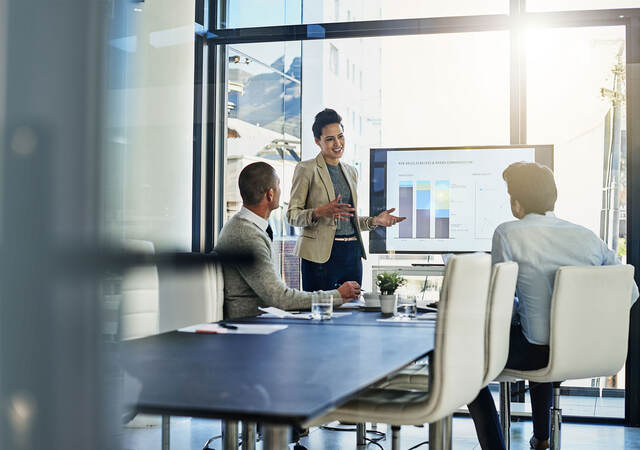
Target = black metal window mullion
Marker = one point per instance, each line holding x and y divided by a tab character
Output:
196	199
632	397
198	102
405	27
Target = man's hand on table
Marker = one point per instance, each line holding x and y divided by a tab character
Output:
349	290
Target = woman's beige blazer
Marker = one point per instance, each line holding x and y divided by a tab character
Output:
312	187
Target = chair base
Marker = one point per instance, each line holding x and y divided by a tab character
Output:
395	437
556	420
361	434
505	415
505	412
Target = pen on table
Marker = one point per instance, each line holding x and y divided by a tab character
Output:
228	326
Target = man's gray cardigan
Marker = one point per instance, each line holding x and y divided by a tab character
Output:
247	286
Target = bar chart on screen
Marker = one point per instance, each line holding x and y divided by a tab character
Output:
452	200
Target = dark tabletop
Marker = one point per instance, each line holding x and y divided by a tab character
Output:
290	376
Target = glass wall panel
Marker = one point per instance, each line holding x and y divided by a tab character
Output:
579	5
259	13
148	176
147	179
264	125
575	101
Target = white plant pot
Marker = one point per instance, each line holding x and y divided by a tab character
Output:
388	304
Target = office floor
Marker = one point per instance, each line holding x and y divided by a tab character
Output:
574	405
188	434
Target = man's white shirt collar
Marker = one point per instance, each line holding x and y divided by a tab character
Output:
252	217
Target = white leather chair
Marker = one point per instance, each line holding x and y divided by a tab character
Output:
139	316
457	364
195	296
498	323
139	309
588	334
501	294
190	296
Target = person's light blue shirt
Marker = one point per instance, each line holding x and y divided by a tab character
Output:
540	244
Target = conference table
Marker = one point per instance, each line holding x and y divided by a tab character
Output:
280	380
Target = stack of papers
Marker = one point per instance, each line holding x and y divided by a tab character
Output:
240	328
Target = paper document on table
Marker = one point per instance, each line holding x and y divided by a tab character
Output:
272	312
275	311
424	318
240	328
351	305
280	314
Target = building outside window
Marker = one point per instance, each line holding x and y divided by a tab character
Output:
334	60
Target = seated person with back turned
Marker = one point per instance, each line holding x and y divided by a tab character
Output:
247	286
540	243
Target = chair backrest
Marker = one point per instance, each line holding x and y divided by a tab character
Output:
502	290
215	292
459	358
140	302
589	321
191	296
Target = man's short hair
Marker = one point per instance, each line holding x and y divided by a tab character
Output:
325	117
532	184
255	180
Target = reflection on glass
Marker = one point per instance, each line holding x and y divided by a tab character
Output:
575	101
147	177
264	125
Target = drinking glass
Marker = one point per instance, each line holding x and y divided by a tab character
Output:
321	306
406	307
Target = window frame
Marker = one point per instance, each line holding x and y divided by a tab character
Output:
209	152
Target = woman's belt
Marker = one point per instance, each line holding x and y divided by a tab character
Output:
346	238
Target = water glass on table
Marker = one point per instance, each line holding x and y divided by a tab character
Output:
321	306
406	307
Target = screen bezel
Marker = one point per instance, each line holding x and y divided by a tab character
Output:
377	238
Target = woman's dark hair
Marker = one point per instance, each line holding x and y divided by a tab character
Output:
532	184
323	118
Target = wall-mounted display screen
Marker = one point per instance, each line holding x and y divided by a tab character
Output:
453	198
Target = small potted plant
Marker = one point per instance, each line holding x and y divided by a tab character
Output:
388	282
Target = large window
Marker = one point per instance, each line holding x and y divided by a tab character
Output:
454	90
442	84
263	124
575	101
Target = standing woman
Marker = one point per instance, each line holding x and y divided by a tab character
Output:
324	202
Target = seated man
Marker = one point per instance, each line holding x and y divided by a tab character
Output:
258	284
540	243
